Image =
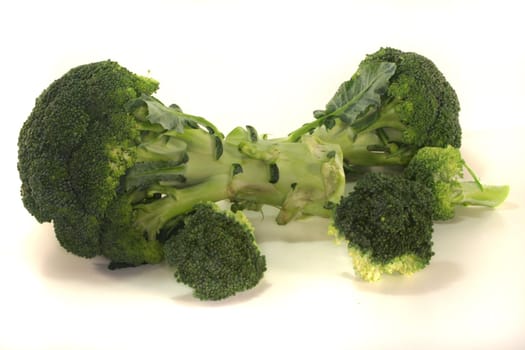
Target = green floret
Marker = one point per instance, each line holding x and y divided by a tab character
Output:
215	253
114	169
74	147
441	170
396	103
387	221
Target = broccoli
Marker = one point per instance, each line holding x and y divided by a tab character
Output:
396	103
116	170
441	169
215	252
387	222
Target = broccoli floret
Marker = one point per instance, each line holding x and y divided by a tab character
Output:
387	221
114	169
215	253
73	148
441	170
396	103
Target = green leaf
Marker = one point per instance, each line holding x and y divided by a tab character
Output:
354	98
362	92
172	118
168	118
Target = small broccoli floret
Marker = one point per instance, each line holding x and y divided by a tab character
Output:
215	253
396	103
387	221
441	170
114	168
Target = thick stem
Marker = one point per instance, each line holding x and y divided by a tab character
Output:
299	178
153	216
364	149
487	196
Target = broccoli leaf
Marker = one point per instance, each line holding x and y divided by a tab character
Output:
363	91
353	98
172	117
169	118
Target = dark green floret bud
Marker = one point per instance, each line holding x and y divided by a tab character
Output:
74	147
215	253
387	222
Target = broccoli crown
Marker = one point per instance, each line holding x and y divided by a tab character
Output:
75	145
387	221
395	103
440	169
215	253
420	97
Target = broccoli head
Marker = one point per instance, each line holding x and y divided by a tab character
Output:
396	103
215	252
75	145
441	170
387	222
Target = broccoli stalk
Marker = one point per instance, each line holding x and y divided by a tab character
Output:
441	170
473	193
176	170
115	170
396	103
299	178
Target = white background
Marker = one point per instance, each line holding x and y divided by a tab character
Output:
270	64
